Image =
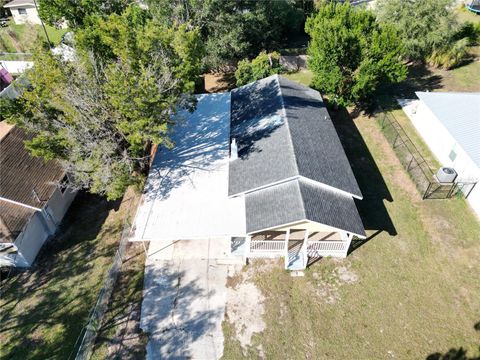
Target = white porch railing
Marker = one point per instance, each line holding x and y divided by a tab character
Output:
327	248
267	246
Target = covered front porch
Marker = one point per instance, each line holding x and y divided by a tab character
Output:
298	243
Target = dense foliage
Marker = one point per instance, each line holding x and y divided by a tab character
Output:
351	54
429	30
233	29
98	113
76	12
262	66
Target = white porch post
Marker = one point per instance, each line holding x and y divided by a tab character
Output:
287	236
349	241
305	247
248	240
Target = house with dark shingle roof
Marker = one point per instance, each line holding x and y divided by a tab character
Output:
261	167
33	199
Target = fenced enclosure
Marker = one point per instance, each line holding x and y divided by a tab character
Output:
417	166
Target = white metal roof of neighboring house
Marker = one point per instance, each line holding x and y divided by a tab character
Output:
186	196
19	3
460	115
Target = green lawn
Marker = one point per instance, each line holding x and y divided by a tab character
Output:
23	38
416	290
303	76
120	333
45	309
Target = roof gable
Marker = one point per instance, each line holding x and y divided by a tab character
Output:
299	200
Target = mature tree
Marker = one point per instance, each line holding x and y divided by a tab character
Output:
351	54
98	113
424	25
262	66
233	29
75	12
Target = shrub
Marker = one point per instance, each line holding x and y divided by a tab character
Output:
449	56
262	66
352	54
470	31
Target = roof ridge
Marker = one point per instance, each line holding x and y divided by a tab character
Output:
284	110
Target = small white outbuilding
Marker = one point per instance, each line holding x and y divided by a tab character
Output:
450	125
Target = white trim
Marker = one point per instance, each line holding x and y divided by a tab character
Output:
21	204
29	5
328	187
157	239
297	177
303	220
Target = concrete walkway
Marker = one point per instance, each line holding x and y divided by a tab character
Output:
184	300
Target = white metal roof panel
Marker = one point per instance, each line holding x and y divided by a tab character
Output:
186	196
460	115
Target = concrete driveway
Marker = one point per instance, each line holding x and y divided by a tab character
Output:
184	299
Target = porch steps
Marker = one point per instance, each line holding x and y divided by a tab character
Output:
234	260
297	273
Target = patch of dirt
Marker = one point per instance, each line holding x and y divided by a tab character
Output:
327	285
245	310
245	304
218	82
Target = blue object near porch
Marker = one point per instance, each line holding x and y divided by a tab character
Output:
474	6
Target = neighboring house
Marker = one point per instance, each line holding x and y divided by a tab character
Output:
450	125
33	199
261	167
16	67
23	11
5	77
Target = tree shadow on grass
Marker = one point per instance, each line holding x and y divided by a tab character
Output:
456	353
120	332
372	210
420	78
46	307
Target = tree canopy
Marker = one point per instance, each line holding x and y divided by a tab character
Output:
233	29
262	66
351	54
98	113
76	12
424	25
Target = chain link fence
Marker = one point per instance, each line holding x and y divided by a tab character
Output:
416	164
86	340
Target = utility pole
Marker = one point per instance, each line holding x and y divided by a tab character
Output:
43	25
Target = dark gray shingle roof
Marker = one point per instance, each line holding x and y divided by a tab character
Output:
283	130
298	200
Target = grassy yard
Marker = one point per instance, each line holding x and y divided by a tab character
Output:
412	289
303	76
23	38
44	309
120	333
